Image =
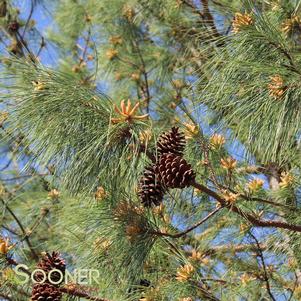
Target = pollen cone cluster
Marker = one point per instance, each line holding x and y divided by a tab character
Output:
45	292
169	171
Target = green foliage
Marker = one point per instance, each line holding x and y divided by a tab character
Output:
245	100
87	142
76	155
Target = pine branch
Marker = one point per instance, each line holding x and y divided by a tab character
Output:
42	45
292	66
224	282
87	41
266	277
81	294
256	199
294	288
24	176
33	252
6	165
10	230
230	248
252	219
203	145
145	89
44	212
191	5
208	16
183	233
204	291
150	155
235	248
28	18
13	262
6	297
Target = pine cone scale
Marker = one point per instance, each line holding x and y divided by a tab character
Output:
45	292
174	171
151	191
48	291
50	262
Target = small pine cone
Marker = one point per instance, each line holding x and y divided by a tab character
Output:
48	263
45	292
151	191
14	26
174	171
171	142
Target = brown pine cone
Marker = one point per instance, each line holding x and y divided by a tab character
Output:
49	262
150	191
45	292
13	26
174	172
171	142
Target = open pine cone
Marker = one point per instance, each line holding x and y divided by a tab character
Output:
174	172
170	171
49	262
45	292
151	191
171	142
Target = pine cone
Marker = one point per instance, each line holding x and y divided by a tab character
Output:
151	191
13	26
48	263
171	142
45	292
174	172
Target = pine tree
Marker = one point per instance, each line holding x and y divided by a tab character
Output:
154	143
